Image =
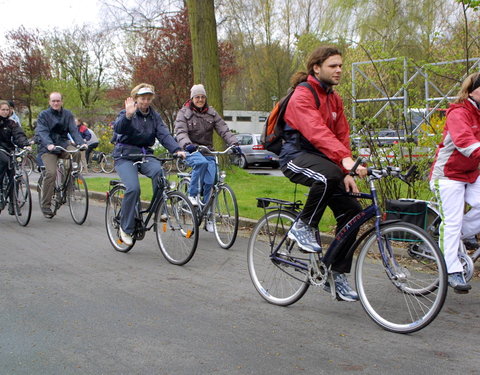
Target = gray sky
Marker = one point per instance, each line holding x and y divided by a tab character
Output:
44	14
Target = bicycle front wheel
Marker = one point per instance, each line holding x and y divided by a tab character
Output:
23	199
400	289
107	164
78	199
225	211
112	218
280	277
183	185
176	228
28	165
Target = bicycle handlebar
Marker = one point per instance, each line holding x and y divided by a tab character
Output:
376	173
17	153
205	148
78	149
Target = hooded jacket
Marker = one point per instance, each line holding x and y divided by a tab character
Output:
458	155
322	130
192	127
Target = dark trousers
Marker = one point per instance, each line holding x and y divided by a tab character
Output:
5	170
89	150
325	179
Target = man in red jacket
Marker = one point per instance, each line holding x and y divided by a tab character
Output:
316	153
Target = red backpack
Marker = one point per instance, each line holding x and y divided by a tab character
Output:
272	134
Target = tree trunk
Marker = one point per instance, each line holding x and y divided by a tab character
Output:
206	65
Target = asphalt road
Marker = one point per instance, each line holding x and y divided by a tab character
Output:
70	304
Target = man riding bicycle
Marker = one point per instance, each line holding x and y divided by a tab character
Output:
53	126
316	153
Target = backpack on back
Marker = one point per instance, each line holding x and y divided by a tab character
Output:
272	134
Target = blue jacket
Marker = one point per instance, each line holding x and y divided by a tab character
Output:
53	128
138	134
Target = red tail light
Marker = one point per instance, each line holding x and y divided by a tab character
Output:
258	147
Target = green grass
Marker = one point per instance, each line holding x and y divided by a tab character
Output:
247	188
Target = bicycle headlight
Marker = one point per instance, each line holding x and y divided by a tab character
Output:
223	174
173	185
19	159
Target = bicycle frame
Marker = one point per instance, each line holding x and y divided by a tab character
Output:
13	165
348	229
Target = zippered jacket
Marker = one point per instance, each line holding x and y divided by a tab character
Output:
323	130
11	134
53	128
192	127
137	135
458	155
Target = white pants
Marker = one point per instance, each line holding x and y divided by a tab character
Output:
452	196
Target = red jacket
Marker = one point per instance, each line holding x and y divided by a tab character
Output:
458	155
326	128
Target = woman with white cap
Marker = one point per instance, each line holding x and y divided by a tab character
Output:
194	126
137	127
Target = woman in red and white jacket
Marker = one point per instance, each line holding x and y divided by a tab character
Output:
454	177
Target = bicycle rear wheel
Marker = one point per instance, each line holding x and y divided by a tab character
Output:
402	291
225	210
112	218
278	282
176	228
107	163
22	199
182	165
78	199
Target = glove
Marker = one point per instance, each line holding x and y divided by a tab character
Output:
236	149
190	148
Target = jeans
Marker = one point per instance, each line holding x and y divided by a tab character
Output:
203	174
128	172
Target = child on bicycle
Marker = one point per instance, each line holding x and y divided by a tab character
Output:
194	127
137	127
316	153
454	177
11	134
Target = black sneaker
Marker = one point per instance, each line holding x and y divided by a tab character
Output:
47	212
458	283
471	243
11	209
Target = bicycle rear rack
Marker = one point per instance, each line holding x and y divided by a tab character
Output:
278	204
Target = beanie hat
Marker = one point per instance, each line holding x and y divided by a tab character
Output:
197	90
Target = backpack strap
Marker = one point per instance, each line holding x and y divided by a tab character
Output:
314	93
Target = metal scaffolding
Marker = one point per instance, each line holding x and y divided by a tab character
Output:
410	74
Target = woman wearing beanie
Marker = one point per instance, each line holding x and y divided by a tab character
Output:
137	127
454	177
194	127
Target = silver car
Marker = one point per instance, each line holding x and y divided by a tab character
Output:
253	152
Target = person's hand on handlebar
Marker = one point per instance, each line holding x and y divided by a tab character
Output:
28	148
181	154
51	147
348	164
236	148
190	148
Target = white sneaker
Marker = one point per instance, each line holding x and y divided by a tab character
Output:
126	238
210	226
193	200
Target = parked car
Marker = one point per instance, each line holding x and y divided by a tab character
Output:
253	152
383	137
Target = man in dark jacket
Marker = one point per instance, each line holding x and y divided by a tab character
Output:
53	126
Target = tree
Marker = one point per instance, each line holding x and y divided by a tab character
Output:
206	64
23	67
82	56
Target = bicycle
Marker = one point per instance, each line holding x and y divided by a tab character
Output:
221	208
101	162
70	187
17	188
400	289
433	228
174	221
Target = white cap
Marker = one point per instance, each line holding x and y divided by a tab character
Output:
197	90
145	90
